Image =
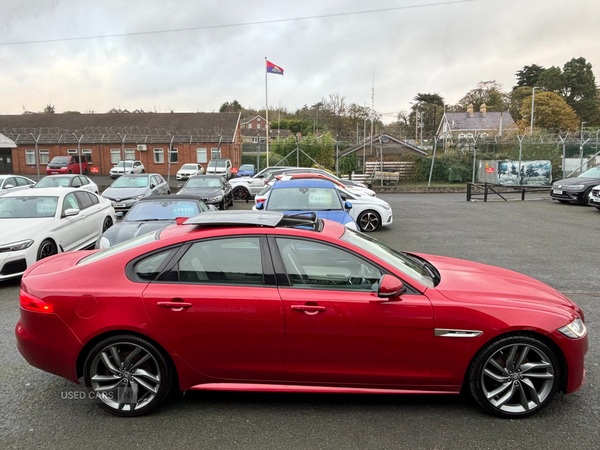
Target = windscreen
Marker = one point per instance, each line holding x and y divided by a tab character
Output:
27	207
125	164
60	160
130	182
592	173
203	183
245	167
53	182
218	163
189	167
162	210
304	199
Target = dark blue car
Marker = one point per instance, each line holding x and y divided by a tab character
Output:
308	195
246	170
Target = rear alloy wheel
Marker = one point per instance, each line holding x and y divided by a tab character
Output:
514	377
368	221
241	193
107	224
585	200
47	248
127	375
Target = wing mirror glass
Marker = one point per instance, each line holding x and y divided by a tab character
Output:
390	286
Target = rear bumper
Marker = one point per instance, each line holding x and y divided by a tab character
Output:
47	343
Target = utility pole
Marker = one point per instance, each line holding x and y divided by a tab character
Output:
37	154
581	146
532	106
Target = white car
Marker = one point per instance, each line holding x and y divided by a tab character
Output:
337	181
68	180
126	168
248	187
189	170
370	213
219	166
594	199
38	223
13	183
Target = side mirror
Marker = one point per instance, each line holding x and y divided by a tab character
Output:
119	215
152	186
71	212
180	185
390	286
260	206
348	205
8	186
212	208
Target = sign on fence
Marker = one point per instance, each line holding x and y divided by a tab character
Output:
511	173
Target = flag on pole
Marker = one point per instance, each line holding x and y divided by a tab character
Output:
272	68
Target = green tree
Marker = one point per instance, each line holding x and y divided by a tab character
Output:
528	76
553	80
303	126
516	101
49	109
234	106
488	92
430	108
551	111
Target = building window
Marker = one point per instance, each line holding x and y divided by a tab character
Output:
174	155
255	140
72	151
87	152
258	126
29	157
201	155
44	157
258	119
215	153
159	156
249	125
115	155
129	154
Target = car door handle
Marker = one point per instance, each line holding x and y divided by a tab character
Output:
174	304
308	309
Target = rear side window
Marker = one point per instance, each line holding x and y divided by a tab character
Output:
149	268
234	261
84	199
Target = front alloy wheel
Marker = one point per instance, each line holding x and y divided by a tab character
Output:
515	376
368	221
127	375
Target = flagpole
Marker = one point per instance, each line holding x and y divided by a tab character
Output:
267	111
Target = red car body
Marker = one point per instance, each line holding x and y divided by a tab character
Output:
285	338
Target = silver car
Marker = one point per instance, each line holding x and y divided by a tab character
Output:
128	189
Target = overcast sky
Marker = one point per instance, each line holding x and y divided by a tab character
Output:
426	47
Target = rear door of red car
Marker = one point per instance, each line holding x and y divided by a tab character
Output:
219	309
338	330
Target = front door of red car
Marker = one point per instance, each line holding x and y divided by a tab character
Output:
218	312
339	331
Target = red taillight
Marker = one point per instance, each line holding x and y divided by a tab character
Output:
31	303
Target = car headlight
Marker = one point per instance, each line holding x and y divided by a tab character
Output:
386	206
351	226
218	198
574	187
137	197
104	243
16	246
574	330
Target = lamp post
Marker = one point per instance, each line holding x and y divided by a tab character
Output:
532	106
581	146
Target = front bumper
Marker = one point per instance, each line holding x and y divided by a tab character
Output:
575	196
123	205
574	351
13	264
60	171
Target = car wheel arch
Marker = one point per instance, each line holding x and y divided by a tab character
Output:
91	343
544	338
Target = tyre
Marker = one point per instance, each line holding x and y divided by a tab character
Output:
368	221
143	171
223	205
514	376
69	171
585	200
85	171
47	248
241	193
107	224
598	208
127	375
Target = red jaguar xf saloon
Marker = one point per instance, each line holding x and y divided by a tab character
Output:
268	302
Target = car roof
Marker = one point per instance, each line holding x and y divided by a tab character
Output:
134	175
64	175
44	192
303	183
207	176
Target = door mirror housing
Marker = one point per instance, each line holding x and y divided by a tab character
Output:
8	186
348	205
71	212
390	286
260	206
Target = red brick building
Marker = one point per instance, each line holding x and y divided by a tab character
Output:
110	138
255	123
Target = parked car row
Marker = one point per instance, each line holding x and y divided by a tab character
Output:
584	188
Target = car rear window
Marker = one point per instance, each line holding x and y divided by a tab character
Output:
123	246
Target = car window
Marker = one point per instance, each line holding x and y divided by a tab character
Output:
94	198
162	210
70	202
22	181
84	199
10	181
304	199
76	182
84	181
130	182
315	265
149	268
27	207
223	261
155	180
